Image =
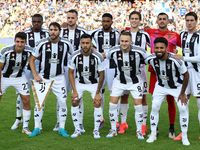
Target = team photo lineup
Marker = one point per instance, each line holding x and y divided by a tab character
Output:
66	58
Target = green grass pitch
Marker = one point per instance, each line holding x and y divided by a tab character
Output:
15	140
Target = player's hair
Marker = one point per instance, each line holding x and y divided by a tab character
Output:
161	40
21	35
84	36
73	11
127	33
162	13
137	13
55	24
107	15
37	15
192	14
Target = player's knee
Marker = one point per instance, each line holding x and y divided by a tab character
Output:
97	104
75	103
155	107
182	109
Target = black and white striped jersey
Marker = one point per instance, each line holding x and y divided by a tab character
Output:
34	37
141	38
74	36
14	63
128	64
87	67
53	56
105	40
169	71
191	49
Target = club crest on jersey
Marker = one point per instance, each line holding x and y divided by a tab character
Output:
132	58
112	36
61	48
77	35
92	61
138	38
24	57
168	66
193	39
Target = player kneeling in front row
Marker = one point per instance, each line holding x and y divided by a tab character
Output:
13	61
89	77
128	59
168	71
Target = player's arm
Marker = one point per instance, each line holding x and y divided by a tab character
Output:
182	95
97	97
32	66
74	95
1	66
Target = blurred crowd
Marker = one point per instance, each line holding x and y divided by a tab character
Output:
16	16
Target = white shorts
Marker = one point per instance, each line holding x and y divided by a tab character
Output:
81	88
109	77
193	83
160	93
68	84
143	75
58	87
19	83
118	89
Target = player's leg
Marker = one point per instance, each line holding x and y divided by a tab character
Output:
57	126
172	115
117	90
80	88
81	113
123	111
97	110
184	119
157	99
145	113
19	106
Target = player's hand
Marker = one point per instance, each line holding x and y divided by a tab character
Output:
74	96
147	27
122	29
64	25
37	78
183	99
177	56
97	99
175	51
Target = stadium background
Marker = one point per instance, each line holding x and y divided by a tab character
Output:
15	16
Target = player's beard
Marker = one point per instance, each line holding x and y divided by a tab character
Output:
107	29
86	50
55	37
160	57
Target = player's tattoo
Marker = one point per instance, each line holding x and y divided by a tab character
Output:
101	79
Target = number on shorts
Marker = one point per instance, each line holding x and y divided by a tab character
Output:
139	89
25	85
42	87
63	89
198	86
145	84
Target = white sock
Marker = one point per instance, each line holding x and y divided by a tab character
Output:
62	113
57	112
37	117
81	111
19	106
183	116
75	117
26	117
113	115
138	116
145	113
198	104
102	104
184	134
97	117
118	110
123	112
